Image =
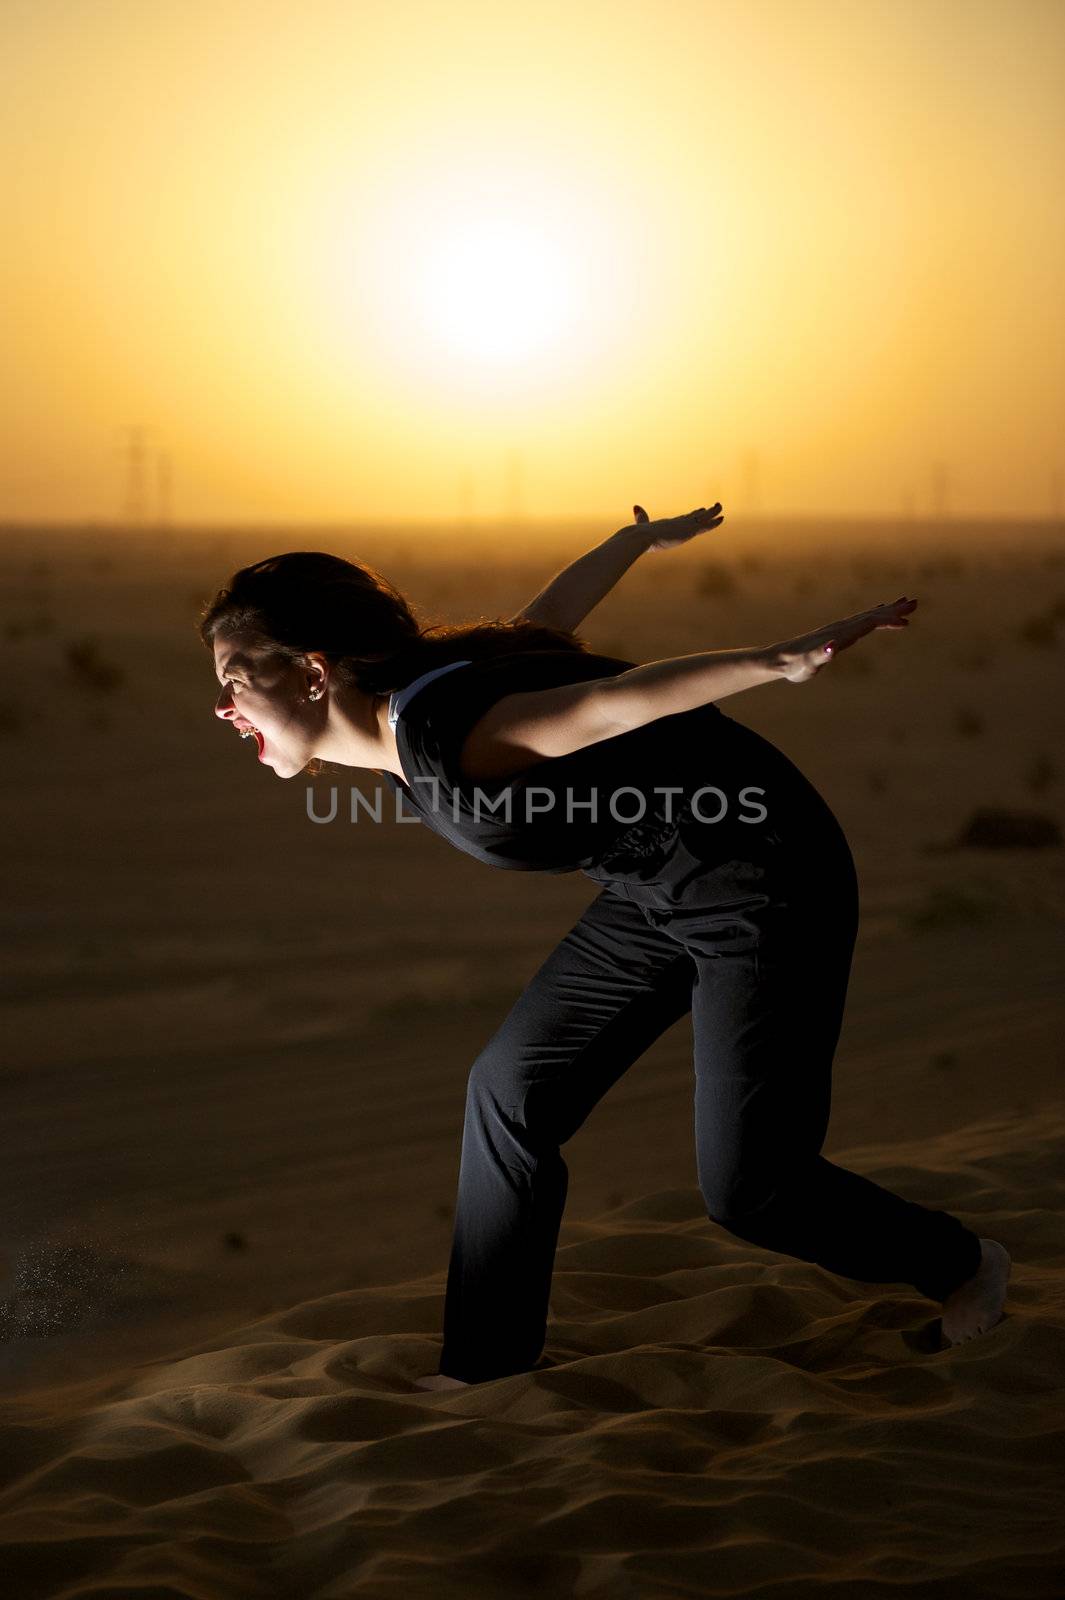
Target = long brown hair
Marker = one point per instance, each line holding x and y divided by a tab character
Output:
307	600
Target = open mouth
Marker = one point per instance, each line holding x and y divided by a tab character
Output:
248	732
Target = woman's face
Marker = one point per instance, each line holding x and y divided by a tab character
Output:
266	697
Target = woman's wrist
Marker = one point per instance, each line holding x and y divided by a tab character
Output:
771	657
635	535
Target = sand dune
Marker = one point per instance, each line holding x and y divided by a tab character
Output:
235	1036
707	1419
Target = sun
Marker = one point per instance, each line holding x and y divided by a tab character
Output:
496	291
475	283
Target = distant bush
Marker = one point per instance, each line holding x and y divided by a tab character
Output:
12	717
715	582
943	567
90	669
1041	772
22	627
867	569
999	828
1039	630
947	906
976	658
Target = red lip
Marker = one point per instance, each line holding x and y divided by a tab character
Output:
246	727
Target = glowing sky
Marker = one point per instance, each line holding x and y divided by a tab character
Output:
426	260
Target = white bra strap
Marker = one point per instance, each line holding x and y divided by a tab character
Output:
399	697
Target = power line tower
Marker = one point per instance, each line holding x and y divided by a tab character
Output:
940	480
513	488
135	451
751	483
163	484
465	499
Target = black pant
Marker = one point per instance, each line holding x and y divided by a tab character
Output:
762	962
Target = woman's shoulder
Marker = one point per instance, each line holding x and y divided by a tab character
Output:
434	723
527	690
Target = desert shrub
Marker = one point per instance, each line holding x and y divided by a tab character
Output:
950	906
945	566
21	627
715	582
91	669
1039	630
12	717
1041	772
1004	828
976	658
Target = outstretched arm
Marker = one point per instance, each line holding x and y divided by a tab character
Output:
568	598
661	688
522	728
578	588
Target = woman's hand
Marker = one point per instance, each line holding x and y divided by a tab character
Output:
669	531
800	659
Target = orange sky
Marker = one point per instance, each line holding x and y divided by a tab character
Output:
416	260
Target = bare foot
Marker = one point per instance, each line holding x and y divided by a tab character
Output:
440	1380
977	1305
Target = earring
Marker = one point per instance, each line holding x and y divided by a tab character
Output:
315	694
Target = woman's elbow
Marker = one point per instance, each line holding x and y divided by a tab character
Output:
619	706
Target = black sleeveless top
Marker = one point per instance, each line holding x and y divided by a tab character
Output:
610	809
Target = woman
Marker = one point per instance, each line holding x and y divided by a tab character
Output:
727	889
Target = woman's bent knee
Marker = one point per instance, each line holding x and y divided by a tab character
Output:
539	1114
732	1205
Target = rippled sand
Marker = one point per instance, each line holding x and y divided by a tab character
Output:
233	1102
